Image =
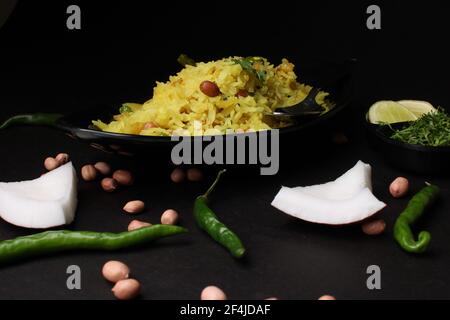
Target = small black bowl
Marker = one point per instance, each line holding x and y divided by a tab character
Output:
416	158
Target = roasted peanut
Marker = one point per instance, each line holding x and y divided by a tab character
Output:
340	138
135	206
194	174
327	297
126	289
213	293
136	224
177	175
123	177
242	93
115	271
209	88
109	184
51	164
169	216
374	227
62	158
88	172
399	187
103	168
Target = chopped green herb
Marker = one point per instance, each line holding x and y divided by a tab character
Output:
124	109
247	65
261	75
432	129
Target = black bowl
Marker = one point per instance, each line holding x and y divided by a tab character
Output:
415	158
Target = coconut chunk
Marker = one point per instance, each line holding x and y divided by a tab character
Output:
326	211
348	199
344	187
45	202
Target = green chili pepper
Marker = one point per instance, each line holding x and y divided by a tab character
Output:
64	240
185	60
40	119
208	221
414	210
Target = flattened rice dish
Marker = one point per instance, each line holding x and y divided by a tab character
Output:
228	95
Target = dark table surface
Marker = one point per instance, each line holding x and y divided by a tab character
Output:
286	258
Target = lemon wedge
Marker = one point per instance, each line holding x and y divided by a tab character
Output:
419	108
390	112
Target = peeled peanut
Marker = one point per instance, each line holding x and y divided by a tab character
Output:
213	293
340	138
135	206
123	177
136	224
374	227
399	187
88	172
51	164
126	289
327	297
62	158
194	174
169	216
177	175
115	271
149	125
103	168
109	184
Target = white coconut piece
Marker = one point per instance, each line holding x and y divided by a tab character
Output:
348	199
45	202
344	187
327	211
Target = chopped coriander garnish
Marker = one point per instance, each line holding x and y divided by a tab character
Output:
432	129
124	109
247	65
261	75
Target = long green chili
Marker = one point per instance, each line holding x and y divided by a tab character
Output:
208	221
415	209
64	240
40	119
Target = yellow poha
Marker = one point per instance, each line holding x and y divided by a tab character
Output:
248	88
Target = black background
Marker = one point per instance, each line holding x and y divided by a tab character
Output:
124	48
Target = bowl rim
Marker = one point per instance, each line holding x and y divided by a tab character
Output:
374	129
